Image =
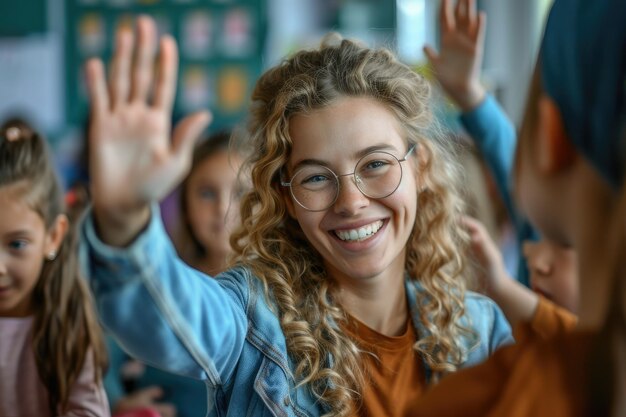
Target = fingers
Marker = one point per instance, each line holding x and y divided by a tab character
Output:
132	80
471	11
431	54
96	87
144	58
475	228
460	13
187	132
165	89
464	16
469	221
446	16
119	82
468	20
481	27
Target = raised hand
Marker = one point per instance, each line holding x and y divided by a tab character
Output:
486	253
133	161
516	301
457	65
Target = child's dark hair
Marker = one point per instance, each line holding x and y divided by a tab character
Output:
65	332
190	247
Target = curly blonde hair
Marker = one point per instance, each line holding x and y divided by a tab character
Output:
274	247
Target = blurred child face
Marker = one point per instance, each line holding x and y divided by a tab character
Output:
553	272
358	237
24	244
539	190
213	194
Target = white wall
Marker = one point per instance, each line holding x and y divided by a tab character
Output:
513	33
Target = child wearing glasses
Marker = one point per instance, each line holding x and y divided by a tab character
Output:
347	295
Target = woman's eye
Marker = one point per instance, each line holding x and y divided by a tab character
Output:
375	164
315	179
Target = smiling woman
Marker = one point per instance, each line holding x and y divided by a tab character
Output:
348	296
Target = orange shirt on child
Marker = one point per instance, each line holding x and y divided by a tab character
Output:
542	375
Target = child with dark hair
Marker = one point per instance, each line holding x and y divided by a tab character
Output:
209	203
569	170
549	267
51	349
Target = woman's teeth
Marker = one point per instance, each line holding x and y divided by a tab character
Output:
361	233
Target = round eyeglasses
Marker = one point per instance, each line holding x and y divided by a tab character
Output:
377	175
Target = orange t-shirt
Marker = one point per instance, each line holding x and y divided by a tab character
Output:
542	375
394	378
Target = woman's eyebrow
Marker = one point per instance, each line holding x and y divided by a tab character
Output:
374	148
358	155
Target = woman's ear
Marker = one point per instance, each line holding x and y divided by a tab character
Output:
554	150
56	234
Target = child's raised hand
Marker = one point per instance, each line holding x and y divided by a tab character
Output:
516	301
133	162
487	254
457	65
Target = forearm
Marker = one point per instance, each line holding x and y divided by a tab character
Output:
120	228
495	136
517	302
468	97
163	312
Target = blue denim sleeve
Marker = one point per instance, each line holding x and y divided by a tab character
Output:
490	326
501	333
495	136
162	311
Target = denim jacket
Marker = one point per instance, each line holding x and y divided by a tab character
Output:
222	330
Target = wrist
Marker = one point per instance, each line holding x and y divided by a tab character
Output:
471	97
499	284
119	228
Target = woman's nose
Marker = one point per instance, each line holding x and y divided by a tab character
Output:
350	199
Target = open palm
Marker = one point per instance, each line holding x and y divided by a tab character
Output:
457	66
133	160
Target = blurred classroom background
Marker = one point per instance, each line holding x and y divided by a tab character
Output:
225	45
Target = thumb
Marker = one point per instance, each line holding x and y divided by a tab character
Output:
188	130
431	54
470	223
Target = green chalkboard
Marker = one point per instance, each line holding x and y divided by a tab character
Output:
23	17
220	41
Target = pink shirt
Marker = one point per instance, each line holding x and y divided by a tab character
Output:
21	392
